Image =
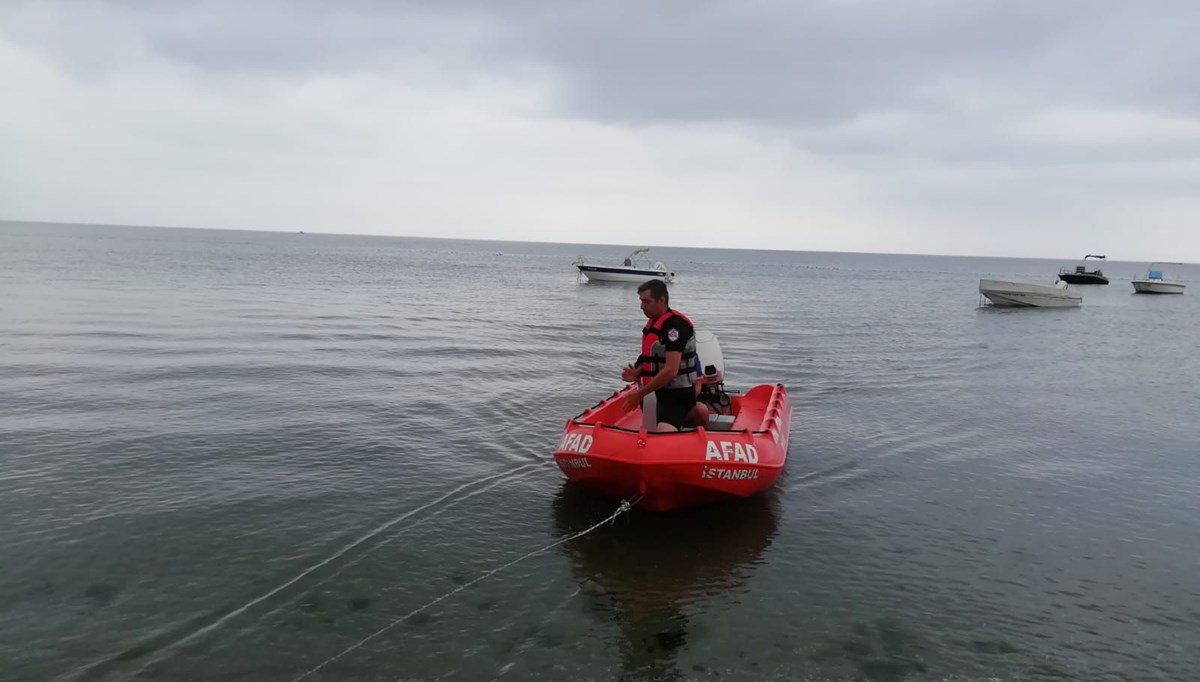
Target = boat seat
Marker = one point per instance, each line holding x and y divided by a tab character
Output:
1155	274
720	422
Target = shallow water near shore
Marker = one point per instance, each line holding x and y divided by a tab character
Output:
248	456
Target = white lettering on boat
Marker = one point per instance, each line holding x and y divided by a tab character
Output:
725	451
723	474
575	463
575	442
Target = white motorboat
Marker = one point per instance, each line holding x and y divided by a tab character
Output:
636	268
1155	283
1028	295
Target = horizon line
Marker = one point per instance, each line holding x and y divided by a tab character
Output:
533	241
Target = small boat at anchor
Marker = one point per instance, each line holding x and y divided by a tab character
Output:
1081	275
1028	294
740	452
635	268
1155	283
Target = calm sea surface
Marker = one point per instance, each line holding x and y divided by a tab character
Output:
256	456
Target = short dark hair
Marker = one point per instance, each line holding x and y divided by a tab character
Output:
657	289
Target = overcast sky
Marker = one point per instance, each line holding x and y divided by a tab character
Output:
1013	128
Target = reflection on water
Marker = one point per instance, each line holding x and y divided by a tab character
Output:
646	571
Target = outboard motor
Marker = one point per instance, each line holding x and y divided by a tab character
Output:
712	374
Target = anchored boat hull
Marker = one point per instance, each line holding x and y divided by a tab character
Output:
1028	295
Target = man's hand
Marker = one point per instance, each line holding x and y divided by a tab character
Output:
630	373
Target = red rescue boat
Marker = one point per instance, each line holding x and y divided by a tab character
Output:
610	451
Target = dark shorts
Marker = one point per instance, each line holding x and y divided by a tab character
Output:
675	404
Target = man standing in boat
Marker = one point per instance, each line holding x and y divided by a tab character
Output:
667	365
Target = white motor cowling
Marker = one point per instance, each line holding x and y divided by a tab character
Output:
712	363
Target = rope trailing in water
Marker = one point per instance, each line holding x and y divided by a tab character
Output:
625	506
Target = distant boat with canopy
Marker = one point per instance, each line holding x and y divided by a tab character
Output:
636	268
1155	283
1081	275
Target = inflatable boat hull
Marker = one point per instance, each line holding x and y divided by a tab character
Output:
607	450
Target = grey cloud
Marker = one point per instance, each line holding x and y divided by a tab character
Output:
269	37
770	63
764	63
786	64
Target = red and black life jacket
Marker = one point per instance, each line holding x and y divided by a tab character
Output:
654	352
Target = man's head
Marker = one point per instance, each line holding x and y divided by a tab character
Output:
654	297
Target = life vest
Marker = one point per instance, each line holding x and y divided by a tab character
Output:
654	353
